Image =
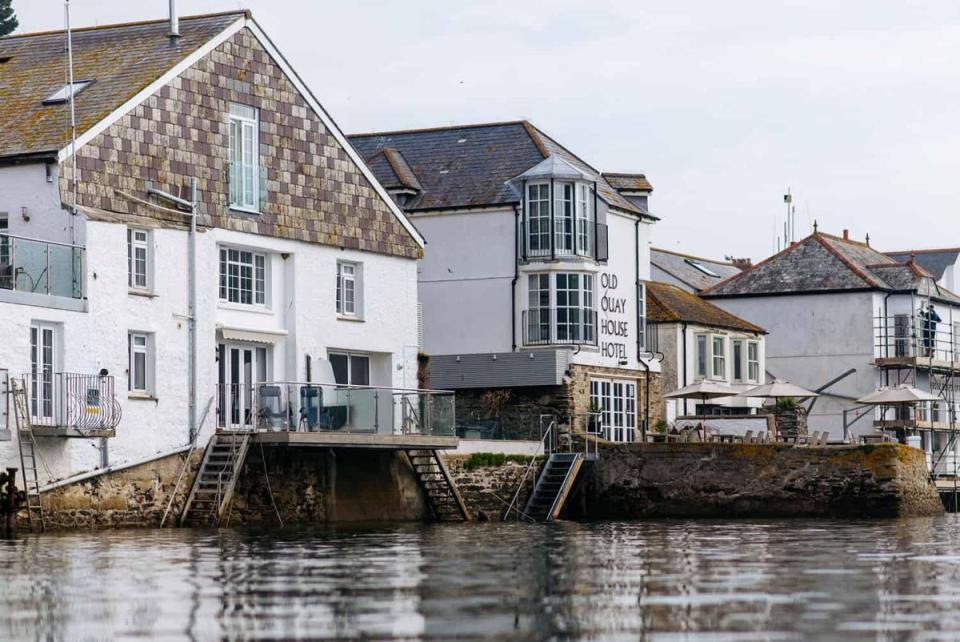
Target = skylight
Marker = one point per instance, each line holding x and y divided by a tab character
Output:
62	95
703	268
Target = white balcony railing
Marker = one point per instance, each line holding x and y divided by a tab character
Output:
72	404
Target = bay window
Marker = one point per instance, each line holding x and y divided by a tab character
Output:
569	205
737	359
560	308
753	361
719	358
701	356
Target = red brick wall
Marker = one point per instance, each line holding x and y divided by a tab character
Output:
315	192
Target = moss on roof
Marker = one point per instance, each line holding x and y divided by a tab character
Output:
668	303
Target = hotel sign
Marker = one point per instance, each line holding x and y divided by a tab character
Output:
614	321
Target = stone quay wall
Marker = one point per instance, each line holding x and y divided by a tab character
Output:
488	490
758	480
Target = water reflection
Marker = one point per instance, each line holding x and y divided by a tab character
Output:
705	580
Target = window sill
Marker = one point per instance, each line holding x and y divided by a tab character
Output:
243	307
142	396
148	294
347	317
244	210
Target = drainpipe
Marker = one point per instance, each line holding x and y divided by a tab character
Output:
192	306
684	344
516	275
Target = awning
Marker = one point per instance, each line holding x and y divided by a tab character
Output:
252	336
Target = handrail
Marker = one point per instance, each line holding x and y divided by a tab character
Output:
526	473
28	238
350	386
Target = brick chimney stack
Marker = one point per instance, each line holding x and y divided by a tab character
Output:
743	264
846	235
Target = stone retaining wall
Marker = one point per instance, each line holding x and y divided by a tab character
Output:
488	490
755	480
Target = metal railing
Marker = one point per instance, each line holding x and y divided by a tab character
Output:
41	267
314	407
559	326
83	402
590	242
915	336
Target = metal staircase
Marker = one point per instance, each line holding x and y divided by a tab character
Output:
28	454
553	486
216	479
441	490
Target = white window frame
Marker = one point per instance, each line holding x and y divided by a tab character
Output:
538	201
753	363
5	244
718	360
564	204
738	359
349	281
350	356
141	343
617	401
543	320
139	241
230	281
244	153
701	341
585	220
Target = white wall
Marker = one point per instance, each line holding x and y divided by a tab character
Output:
302	303
26	186
814	338
465	279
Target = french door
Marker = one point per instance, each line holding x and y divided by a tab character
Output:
239	369
616	400
43	355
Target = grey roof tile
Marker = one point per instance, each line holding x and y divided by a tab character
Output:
681	266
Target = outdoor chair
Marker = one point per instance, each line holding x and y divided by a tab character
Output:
748	437
311	401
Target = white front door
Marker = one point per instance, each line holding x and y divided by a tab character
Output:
43	355
240	368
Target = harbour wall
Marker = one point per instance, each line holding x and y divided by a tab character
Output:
757	480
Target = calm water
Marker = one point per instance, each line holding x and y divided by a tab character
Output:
667	580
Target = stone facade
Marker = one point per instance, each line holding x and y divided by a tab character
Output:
488	490
313	190
631	481
578	382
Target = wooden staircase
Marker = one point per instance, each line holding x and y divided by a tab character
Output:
216	479
553	486
441	490
28	455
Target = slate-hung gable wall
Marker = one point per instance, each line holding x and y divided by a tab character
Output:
315	192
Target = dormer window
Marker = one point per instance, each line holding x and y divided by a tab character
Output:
572	216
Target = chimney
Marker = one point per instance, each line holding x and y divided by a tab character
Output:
846	235
742	264
174	21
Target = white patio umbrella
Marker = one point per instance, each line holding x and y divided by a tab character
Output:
902	395
702	390
779	390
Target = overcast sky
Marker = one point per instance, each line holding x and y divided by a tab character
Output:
853	104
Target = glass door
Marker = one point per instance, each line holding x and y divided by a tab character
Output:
43	351
239	369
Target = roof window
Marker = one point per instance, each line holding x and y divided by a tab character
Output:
701	267
62	95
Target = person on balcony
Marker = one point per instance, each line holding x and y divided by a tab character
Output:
929	320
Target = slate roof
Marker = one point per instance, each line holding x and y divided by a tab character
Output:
825	263
119	59
628	182
680	267
667	303
935	262
471	165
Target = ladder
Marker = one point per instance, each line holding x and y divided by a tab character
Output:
442	493
212	489
553	486
28	455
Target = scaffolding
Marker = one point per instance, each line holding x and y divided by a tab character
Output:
920	350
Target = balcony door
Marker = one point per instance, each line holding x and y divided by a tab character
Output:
43	364
240	367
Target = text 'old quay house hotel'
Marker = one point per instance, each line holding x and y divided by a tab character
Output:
532	285
305	268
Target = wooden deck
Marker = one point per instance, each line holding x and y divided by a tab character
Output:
330	439
911	424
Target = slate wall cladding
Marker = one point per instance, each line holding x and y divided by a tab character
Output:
314	191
